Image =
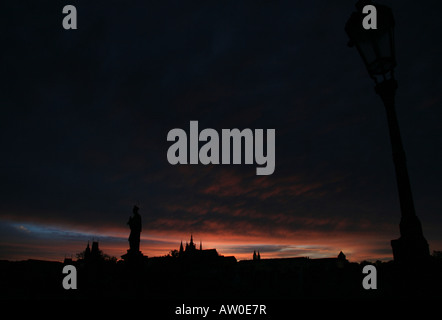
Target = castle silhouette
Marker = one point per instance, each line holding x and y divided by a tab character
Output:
190	252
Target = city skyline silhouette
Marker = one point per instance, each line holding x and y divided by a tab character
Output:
85	116
204	273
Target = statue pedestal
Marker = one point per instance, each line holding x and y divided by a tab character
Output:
410	250
411	246
135	257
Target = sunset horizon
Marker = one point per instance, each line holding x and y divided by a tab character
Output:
58	241
297	143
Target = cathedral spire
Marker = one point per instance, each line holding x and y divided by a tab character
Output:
87	252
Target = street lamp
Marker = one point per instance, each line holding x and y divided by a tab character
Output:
376	47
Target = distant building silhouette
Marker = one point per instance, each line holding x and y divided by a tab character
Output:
95	252
91	255
190	247
87	252
341	256
192	253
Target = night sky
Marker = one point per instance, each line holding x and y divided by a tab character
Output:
85	114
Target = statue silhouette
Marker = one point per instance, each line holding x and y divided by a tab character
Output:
135	231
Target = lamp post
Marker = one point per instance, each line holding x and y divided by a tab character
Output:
376	47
